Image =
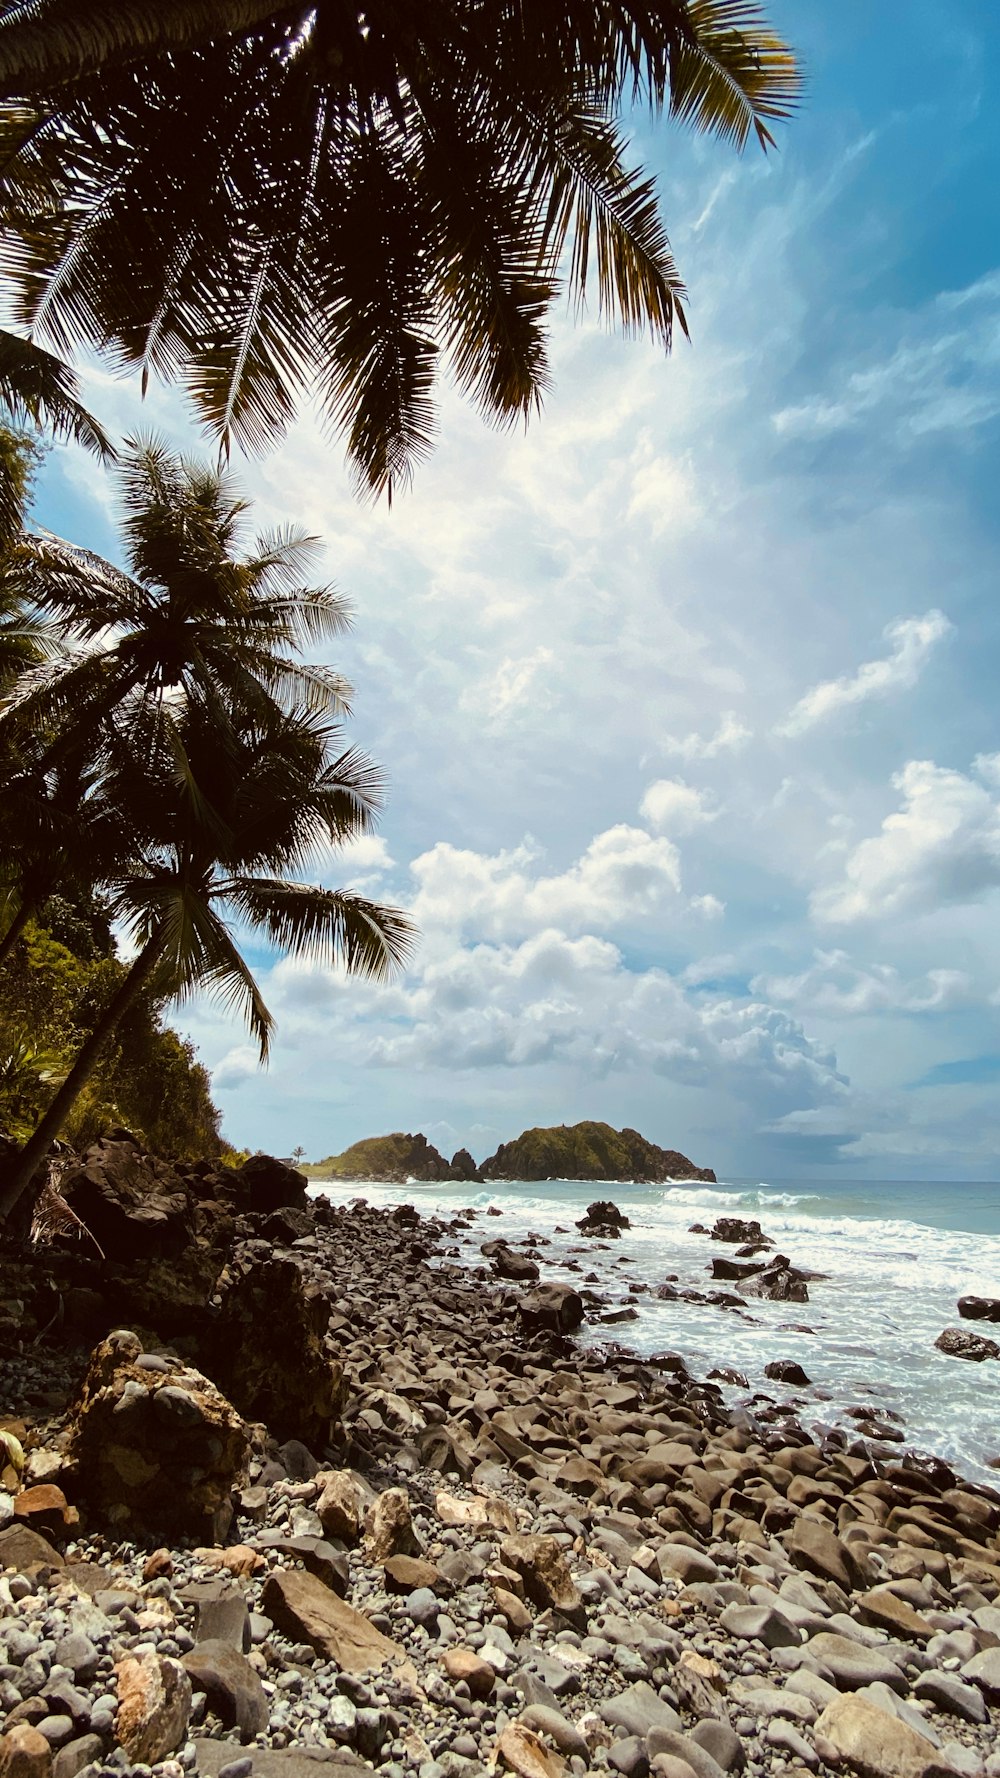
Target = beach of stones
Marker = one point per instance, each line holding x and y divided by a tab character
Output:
515	1550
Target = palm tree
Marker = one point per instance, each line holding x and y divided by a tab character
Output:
39	390
267	199
195	616
222	805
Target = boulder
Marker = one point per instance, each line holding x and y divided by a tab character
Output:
263	1184
341	1505
463	1167
515	1266
389	1527
523	1753
603	1218
154	1706
233	1689
24	1753
736	1230
557	1307
265	1349
170	1294
979	1308
463	1665
777	1282
306	1611
543	1568
23	1548
157	1451
872	1743
785	1370
958	1342
817	1548
135	1205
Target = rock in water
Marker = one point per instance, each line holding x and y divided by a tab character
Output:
555	1306
266	1351
737	1229
158	1452
603	1218
958	1342
979	1308
785	1370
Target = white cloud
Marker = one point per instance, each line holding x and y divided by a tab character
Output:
912	639
941	847
675	807
708	906
729	737
238	1065
835	986
501	693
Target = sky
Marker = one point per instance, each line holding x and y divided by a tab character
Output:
687	695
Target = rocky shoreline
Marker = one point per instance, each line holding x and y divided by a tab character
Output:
341	1499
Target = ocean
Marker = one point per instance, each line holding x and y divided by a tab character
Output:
896	1255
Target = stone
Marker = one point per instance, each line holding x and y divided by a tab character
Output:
389	1526
785	1737
463	1664
404	1574
815	1547
786	1370
265	1349
264	1184
341	1505
222	1615
544	1570
557	1307
958	1342
541	1719
78	1653
45	1508
514	1266
154	1707
984	1671
696	1683
952	1697
27	1550
526	1754
852	1665
514	1610
603	1218
24	1753
720	1740
870	1741
760	1623
86	1750
488	1510
135	1206
979	1308
148	1466
305	1611
687	1564
638	1710
682	1747
629	1757
233	1689
738	1230
884	1609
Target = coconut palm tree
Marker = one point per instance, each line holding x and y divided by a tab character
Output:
226	809
195	616
271	199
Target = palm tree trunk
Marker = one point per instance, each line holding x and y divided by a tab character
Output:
21	1171
15	929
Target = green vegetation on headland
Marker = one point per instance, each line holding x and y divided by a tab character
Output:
566	1151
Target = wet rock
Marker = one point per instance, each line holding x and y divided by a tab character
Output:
958	1342
515	1266
154	1707
786	1370
871	1742
603	1218
979	1308
266	1351
738	1229
233	1689
777	1282
156	1451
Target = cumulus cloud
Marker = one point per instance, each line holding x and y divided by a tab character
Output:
941	847
835	986
912	640
503	691
676	807
625	873
730	735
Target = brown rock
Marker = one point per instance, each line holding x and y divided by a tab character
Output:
514	1610
26	1550
557	1307
306	1611
403	1574
886	1611
45	1508
239	1559
488	1510
154	1705
158	1566
341	1504
958	1342
24	1753
462	1664
873	1743
815	1547
544	1570
389	1526
522	1752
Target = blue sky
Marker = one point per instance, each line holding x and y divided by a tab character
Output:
687	697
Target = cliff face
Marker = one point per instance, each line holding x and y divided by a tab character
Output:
589	1151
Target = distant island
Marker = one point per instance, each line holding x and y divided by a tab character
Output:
566	1151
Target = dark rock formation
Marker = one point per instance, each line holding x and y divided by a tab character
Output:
736	1229
266	1350
979	1308
603	1218
785	1370
958	1342
557	1307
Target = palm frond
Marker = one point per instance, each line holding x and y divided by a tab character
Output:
733	76
37	386
333	926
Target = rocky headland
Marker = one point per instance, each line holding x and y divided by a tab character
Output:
587	1150
288	1486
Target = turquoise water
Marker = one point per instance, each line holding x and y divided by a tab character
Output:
895	1256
